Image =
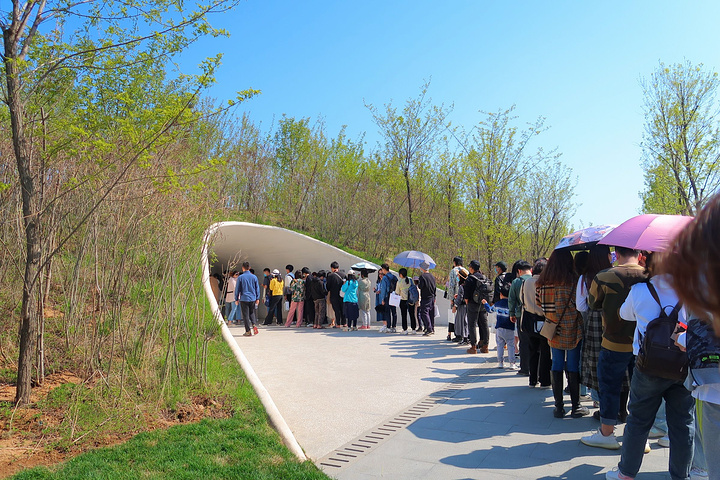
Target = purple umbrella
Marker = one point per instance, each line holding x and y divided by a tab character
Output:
413	259
646	232
584	238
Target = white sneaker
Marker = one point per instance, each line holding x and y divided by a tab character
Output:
615	474
664	441
647	447
412	332
500	365
599	440
514	366
656	433
698	474
383	329
405	332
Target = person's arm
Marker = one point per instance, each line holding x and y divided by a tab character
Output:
257	291
627	309
238	291
596	295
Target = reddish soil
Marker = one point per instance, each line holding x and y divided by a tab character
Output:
24	443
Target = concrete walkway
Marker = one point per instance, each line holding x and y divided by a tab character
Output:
338	391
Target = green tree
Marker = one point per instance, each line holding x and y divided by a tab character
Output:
681	144
411	138
109	127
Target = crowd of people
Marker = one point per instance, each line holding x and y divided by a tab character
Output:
329	299
631	330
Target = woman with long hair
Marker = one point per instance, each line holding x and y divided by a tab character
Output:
402	288
350	301
556	298
364	301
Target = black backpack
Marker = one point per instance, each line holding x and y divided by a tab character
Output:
658	355
483	289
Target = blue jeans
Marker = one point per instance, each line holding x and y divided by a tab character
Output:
230	309
566	359
611	372
646	394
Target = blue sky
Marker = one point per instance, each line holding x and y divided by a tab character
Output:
578	64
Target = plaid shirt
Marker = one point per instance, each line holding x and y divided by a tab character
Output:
558	304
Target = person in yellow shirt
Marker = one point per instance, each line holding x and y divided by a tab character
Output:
276	296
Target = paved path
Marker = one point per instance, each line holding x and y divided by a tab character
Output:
333	387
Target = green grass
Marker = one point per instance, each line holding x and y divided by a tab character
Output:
241	447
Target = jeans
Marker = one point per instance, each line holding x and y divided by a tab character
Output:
249	314
230	311
503	337
391	315
566	359
646	393
611	372
708	421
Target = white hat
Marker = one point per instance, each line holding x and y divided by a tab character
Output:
276	272
351	272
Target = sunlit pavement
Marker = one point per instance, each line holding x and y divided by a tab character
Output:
332	387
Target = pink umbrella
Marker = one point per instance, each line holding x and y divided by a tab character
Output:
646	232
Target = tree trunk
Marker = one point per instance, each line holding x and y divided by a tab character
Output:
30	203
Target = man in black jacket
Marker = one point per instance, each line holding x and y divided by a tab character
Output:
476	314
334	284
428	289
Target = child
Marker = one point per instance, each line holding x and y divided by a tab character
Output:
504	331
350	301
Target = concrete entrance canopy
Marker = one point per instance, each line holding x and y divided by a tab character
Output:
273	247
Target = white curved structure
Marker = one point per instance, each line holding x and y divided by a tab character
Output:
227	244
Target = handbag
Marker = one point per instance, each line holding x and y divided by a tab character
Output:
548	328
395	299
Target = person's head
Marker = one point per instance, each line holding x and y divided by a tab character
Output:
245	266
363	274
515	268
523	268
539	266
424	266
457	261
252	270
305	270
693	261
474	266
266	271
276	273
627	256
321	274
381	274
289	268
298	274
500	267
384	268
559	269
235	273
403	273
580	261
334	266
598	260
351	276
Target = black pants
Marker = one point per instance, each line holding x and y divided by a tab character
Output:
404	309
337	306
477	315
248	312
539	361
275	308
309	311
524	350
391	316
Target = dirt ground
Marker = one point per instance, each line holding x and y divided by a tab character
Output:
24	443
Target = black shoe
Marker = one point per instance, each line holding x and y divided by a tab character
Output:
596	415
523	374
266	324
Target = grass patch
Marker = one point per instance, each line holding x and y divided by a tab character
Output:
240	447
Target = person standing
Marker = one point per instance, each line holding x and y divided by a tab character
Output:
297	297
459	308
247	296
427	288
556	296
451	292
334	284
524	270
289	277
477	318
350	301
387	286
538	349
501	281
276	297
317	293
230	305
402	289
608	292
309	310
364	299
